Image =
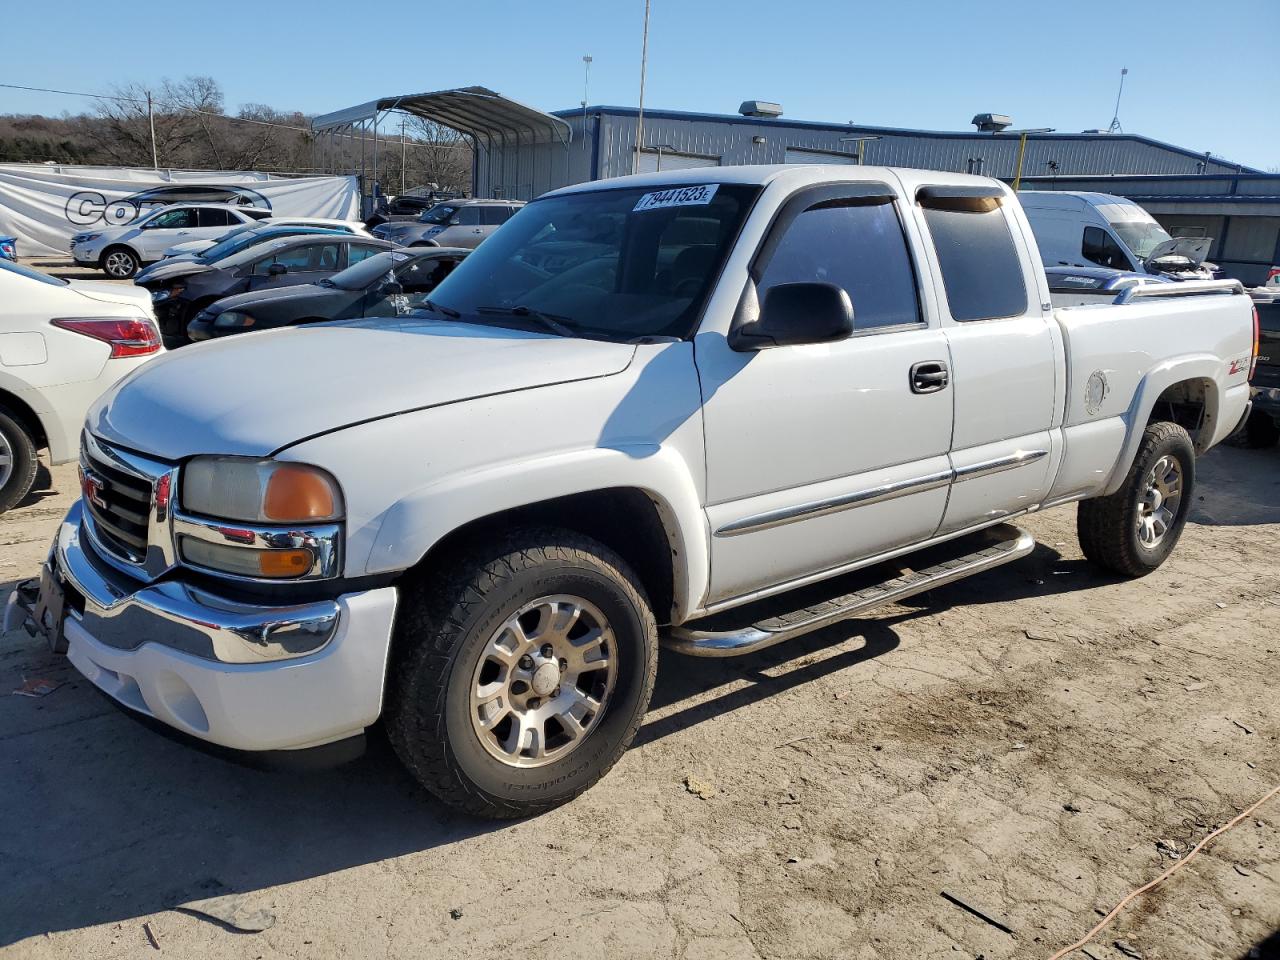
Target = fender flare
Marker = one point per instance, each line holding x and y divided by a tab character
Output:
1158	379
416	523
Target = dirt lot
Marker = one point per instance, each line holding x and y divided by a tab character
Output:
1039	741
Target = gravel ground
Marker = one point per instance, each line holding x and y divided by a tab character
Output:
1038	741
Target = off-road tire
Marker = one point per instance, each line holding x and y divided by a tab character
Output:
21	447
446	618
1260	431
120	275
1108	526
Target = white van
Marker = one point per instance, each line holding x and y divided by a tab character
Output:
1098	229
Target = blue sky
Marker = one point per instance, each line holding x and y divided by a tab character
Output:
1201	75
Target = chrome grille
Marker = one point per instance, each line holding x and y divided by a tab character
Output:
118	502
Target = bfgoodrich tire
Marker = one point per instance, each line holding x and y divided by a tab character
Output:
17	461
1135	529
522	672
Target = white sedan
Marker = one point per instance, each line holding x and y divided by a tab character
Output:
121	251
62	343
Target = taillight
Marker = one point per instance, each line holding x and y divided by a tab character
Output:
1257	337
1274	272
128	338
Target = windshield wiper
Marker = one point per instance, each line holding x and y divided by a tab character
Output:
551	321
436	308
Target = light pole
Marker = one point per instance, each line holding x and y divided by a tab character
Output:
1115	117
644	62
859	141
586	86
660	147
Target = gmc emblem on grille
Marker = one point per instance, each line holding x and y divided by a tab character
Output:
92	486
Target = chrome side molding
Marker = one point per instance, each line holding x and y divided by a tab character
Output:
887	491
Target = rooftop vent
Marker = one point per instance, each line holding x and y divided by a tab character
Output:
760	108
991	122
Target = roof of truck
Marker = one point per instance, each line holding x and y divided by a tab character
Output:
797	174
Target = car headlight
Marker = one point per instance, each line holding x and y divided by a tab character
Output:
260	491
233	318
85	237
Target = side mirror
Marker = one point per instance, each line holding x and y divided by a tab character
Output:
456	221
797	313
391	289
276	269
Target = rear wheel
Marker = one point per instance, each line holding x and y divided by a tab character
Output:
1134	530
18	461
522	673
119	263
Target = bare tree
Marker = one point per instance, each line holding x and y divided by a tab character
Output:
123	132
436	155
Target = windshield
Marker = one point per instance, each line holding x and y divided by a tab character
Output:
227	243
440	213
612	264
22	271
1141	236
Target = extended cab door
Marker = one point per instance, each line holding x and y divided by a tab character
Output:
822	454
1005	352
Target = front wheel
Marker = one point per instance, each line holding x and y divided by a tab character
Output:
522	674
1133	531
120	263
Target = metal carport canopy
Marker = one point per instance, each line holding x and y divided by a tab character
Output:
476	111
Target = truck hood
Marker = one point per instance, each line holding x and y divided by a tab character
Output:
256	393
107	292
1194	249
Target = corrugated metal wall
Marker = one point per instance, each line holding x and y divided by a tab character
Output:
524	170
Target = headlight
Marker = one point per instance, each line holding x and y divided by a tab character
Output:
173	291
260	491
85	237
233	318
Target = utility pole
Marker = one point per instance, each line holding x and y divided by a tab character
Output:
403	148
151	122
644	62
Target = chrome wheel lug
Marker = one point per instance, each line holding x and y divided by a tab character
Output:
564	664
526	662
555	692
548	651
533	703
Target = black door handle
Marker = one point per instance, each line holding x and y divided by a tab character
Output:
929	376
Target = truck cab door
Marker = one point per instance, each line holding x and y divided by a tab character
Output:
823	454
1006	353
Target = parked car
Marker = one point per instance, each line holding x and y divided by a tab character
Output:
1263	428
456	223
233	242
478	522
192	248
1080	286
181	290
121	251
390	284
8	248
1081	229
62	343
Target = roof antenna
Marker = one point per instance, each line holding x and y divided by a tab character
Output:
1115	117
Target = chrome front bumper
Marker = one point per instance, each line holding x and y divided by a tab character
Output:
245	676
121	613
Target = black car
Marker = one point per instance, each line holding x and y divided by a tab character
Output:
1263	428
386	285
182	290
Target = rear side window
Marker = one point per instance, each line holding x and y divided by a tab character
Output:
493	216
1101	248
856	245
357	252
216	218
468	216
981	269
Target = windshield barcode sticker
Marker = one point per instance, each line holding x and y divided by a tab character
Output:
676	197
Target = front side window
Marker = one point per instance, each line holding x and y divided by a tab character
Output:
440	213
179	219
301	259
857	245
1101	248
616	264
981	268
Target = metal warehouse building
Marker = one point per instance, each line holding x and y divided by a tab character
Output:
521	152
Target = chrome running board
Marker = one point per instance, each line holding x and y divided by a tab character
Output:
715	636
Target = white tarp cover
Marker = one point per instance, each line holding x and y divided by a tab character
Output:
43	206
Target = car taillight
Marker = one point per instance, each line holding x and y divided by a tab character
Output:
127	338
1274	272
1257	337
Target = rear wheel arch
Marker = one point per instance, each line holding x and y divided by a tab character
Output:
22	412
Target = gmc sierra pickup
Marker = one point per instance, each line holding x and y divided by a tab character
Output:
704	407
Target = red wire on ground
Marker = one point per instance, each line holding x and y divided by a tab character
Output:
1164	876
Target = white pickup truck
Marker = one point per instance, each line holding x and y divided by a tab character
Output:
648	409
